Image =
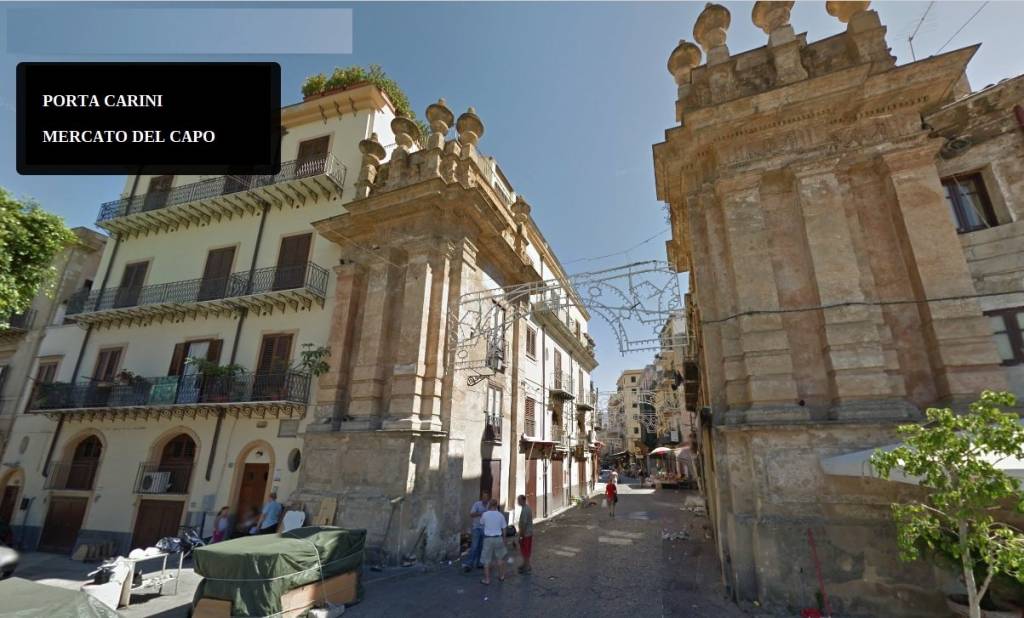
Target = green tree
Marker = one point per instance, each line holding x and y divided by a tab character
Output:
955	457
30	238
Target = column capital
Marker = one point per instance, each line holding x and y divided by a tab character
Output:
920	155
817	167
737	182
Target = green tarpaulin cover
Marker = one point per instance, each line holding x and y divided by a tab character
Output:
21	598
253	572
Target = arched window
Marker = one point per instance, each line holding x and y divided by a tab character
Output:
177	458
82	472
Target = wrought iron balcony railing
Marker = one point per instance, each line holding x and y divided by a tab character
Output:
492	431
155	478
195	389
21	321
561	384
74	475
222	185
308	276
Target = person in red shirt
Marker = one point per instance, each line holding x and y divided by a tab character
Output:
611	494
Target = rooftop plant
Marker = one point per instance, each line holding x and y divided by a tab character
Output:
348	76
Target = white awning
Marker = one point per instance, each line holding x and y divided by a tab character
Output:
858	464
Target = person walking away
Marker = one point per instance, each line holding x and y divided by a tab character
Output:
270	516
472	559
221	525
248	523
611	494
525	534
494	542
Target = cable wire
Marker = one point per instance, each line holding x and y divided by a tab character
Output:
624	251
960	29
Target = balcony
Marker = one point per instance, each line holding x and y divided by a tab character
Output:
18	324
263	289
73	475
492	430
586	401
560	385
549	314
224	197
261	395
154	478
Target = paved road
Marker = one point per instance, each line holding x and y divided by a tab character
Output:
585	564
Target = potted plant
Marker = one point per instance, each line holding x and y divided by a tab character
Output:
955	456
218	381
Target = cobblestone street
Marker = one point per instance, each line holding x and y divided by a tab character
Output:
585	564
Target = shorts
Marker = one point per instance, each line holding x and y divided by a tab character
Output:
494	549
526	546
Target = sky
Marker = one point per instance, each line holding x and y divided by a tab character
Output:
572	95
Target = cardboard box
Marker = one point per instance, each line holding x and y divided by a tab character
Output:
339	590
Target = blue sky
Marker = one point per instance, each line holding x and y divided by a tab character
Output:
573	95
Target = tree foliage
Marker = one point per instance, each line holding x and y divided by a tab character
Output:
955	457
30	238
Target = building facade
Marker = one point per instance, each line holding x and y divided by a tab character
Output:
808	191
31	352
191	381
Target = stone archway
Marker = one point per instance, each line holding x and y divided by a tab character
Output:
253	478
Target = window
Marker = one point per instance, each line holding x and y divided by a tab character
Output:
1008	329
636	429
632	380
578	334
530	426
531	342
107	363
968	202
312	157
47	371
492	431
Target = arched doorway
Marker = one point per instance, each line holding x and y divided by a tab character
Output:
76	474
169	476
253	469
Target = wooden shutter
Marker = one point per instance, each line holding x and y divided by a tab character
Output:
177	359
275	351
558	370
158	192
312	154
213	352
291	261
216	273
47	372
131	284
106	364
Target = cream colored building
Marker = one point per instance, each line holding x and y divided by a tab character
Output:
133	440
634	392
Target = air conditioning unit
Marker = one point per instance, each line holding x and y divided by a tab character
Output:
155	482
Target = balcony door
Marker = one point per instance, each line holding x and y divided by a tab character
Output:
128	292
190	383
291	262
312	156
271	380
158	192
216	273
84	463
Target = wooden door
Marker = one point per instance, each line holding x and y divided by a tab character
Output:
158	192
128	293
583	479
7	503
291	262
253	488
155	520
312	157
81	473
531	484
557	478
63	521
490	478
558	372
216	273
271	379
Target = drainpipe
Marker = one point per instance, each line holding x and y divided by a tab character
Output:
544	395
88	330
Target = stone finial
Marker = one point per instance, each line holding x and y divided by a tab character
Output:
441	119
711	28
844	10
470	128
770	15
373	154
406	131
684	58
520	210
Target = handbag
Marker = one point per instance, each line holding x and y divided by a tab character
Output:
511	531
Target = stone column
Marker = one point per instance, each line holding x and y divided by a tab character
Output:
367	372
855	357
411	350
333	386
767	364
963	355
437	338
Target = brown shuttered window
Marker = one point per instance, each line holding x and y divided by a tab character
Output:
312	155
275	351
530	426
131	284
181	354
291	262
106	364
158	192
531	342
216	273
47	372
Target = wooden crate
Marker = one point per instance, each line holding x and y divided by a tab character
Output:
339	590
212	608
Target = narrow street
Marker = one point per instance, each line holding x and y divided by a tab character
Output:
585	564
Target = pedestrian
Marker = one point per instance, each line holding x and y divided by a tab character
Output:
525	534
221	525
270	516
472	559
494	542
611	495
248	523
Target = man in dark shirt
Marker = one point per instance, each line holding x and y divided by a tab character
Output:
525	534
